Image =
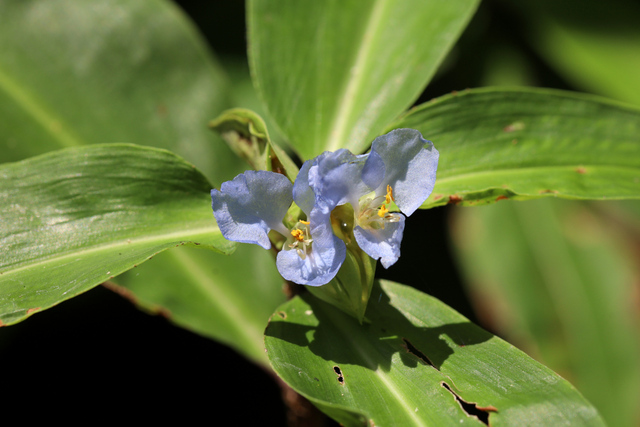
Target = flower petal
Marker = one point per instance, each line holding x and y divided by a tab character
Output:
410	163
327	254
382	244
250	205
341	177
303	194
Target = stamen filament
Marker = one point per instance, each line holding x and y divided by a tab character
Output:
374	212
302	237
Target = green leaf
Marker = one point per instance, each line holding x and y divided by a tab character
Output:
557	278
75	218
226	298
414	364
597	49
529	143
75	73
333	74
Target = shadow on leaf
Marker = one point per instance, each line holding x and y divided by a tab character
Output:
334	336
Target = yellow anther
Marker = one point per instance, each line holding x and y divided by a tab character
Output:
305	222
298	235
383	211
389	197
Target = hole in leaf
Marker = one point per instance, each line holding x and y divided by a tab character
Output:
470	408
417	353
282	314
338	372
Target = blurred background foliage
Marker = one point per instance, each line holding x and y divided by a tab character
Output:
559	279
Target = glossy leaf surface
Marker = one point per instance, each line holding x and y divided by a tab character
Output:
75	218
414	363
333	74
529	143
75	73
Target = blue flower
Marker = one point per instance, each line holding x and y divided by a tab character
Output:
251	205
410	174
400	168
256	202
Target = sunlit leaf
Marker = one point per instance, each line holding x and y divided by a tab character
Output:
415	362
75	218
529	143
333	74
75	73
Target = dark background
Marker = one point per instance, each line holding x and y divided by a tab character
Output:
97	357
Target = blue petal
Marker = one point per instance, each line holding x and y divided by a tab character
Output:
340	177
303	194
382	244
410	163
323	262
250	205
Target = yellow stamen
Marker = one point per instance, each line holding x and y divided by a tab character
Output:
298	235
383	211
389	197
305	222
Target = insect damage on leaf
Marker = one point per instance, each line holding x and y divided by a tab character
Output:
338	372
471	408
514	127
417	353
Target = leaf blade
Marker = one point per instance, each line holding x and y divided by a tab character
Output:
392	369
333	74
77	217
529	143
123	72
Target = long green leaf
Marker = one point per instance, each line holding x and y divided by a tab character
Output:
75	218
334	73
416	362
529	143
75	73
557	279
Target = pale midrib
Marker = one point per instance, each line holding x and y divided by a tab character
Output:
525	170
337	133
391	387
223	304
158	239
44	118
